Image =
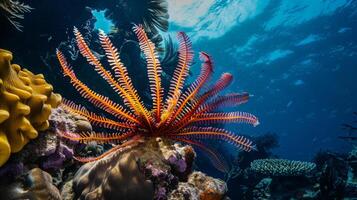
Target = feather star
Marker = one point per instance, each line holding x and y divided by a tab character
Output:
184	116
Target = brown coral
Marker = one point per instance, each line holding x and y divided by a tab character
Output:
26	102
114	177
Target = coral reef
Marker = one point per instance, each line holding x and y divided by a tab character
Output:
282	167
47	151
26	102
177	118
142	166
36	184
14	10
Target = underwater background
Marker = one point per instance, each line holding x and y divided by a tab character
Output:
296	59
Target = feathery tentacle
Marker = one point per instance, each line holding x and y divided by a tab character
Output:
222	83
154	69
231	100
106	75
122	75
98	100
95	119
117	149
182	69
192	91
101	138
224	117
216	133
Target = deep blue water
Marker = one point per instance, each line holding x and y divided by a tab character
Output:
298	59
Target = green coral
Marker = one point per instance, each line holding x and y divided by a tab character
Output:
282	167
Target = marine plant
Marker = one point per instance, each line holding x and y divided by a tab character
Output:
26	100
14	10
184	116
282	167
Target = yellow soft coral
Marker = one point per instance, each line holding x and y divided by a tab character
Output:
25	105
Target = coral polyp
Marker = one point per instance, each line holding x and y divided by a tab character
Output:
184	115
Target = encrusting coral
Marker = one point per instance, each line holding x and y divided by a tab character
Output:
282	167
185	115
26	102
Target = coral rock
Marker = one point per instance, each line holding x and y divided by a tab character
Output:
70	122
38	186
26	102
201	187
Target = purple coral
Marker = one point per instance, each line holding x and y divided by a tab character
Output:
179	164
55	160
162	180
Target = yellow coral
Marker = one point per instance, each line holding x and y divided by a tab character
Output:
25	105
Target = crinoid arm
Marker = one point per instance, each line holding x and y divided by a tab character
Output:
181	71
226	117
215	158
193	90
129	100
98	100
222	83
216	133
229	100
101	138
95	119
116	149
154	69
122	74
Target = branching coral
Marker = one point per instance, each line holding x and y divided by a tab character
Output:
26	102
14	10
182	117
282	167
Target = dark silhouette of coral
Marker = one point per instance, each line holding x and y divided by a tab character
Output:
13	11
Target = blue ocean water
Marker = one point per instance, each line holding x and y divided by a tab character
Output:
298	59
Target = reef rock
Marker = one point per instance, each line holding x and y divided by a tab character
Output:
26	102
201	187
37	184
